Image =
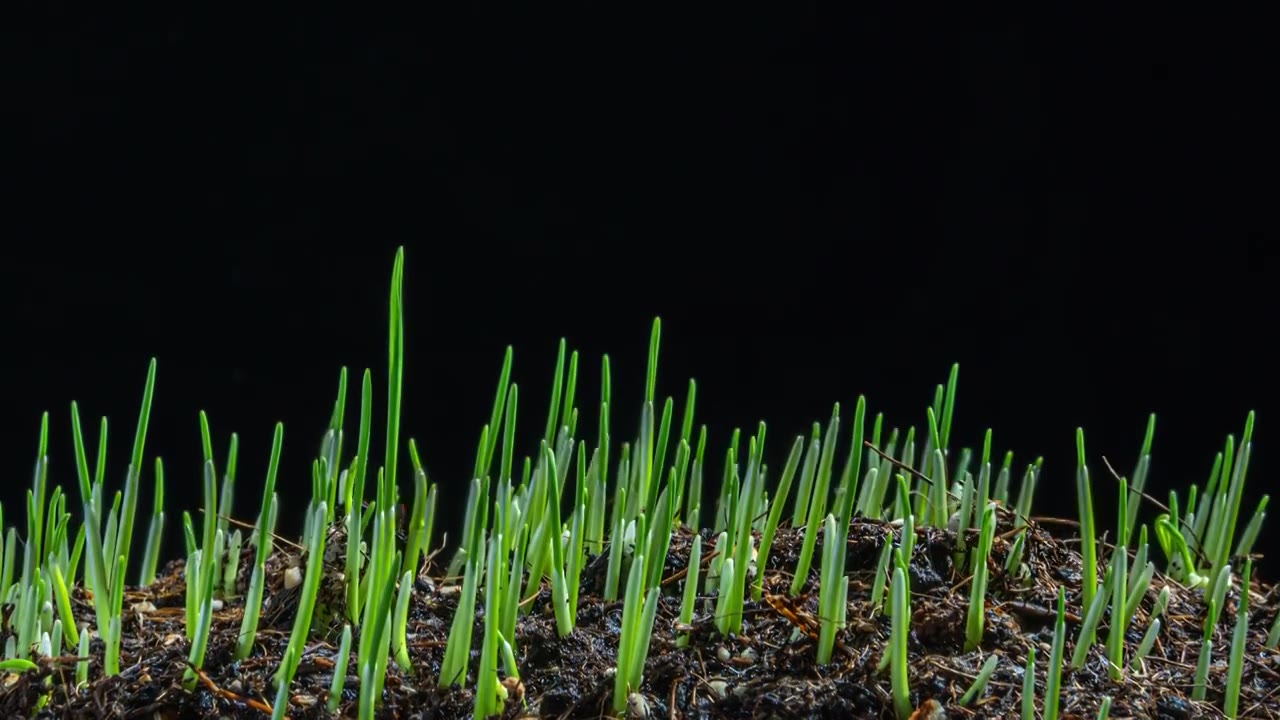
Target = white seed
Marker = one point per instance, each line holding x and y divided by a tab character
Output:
637	707
718	688
292	578
217	604
512	688
953	523
722	652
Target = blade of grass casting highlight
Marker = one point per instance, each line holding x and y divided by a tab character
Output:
395	382
263	535
818	503
1088	547
155	531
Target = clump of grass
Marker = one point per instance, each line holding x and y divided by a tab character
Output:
532	531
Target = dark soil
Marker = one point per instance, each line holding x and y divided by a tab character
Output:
767	672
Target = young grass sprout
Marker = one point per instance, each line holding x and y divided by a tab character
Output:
559	522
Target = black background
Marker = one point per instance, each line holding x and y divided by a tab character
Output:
1076	210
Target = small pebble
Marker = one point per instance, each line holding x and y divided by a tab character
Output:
723	653
719	688
1172	707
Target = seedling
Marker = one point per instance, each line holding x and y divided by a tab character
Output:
557	523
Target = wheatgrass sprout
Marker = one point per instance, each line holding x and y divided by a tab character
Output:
1273	635
800	514
901	623
421	515
978	587
690	596
883	570
1088	537
1216	596
1053	681
1235	666
980	682
833	592
198	572
1116	633
226	496
659	543
1144	646
306	607
1139	580
17	665
458	647
374	593
638	613
340	670
372	666
353	503
817	502
210	555
1208	529
231	570
775	518
1029	686
1133	496
35	502
201	582
155	531
488	702
400	621
263	539
1027	491
733	589
509	608
106	555
551	529
1092	618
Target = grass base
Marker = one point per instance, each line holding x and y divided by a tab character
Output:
769	671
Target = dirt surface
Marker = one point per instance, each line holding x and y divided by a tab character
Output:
769	671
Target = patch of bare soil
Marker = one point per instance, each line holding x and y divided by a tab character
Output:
769	671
